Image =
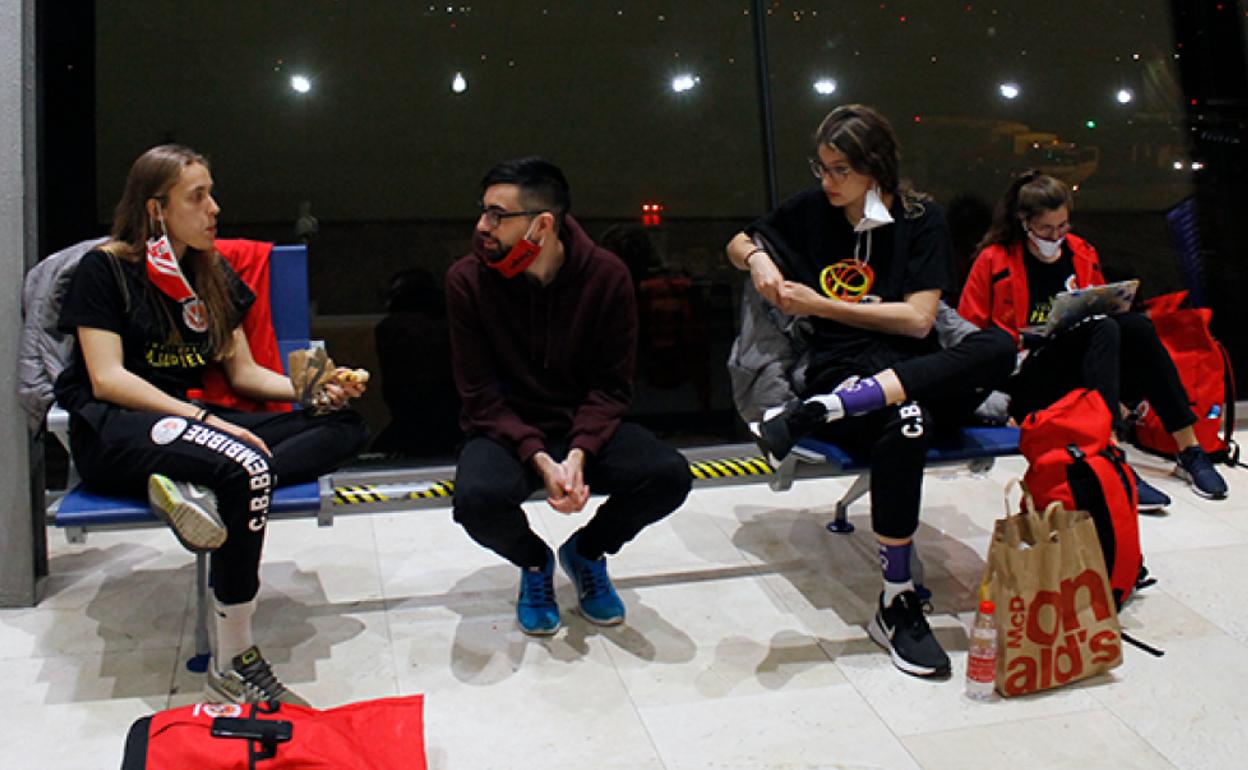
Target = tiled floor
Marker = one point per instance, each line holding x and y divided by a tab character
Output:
744	646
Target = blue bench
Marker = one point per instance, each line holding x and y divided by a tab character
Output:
81	510
975	447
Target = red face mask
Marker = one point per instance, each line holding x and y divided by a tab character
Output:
518	257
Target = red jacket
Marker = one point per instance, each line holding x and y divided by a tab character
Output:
997	291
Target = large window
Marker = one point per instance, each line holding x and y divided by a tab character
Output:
364	128
378	120
980	91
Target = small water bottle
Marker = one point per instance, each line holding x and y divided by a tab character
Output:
981	658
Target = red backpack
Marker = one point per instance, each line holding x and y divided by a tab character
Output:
1071	459
1205	371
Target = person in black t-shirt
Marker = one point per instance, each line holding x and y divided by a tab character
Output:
867	258
1029	256
150	310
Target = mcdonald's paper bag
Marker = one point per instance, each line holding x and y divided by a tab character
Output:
1056	621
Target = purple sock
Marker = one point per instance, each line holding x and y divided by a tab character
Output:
862	397
895	561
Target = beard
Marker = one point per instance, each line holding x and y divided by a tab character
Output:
492	249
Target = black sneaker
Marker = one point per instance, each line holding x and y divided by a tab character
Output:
1197	470
780	430
902	629
249	679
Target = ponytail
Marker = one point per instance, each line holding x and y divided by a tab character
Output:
1029	195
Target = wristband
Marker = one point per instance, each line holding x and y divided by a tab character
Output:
202	415
752	252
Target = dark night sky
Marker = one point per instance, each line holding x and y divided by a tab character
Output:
382	136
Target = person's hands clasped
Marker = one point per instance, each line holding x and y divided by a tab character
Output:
238	432
565	482
797	298
766	276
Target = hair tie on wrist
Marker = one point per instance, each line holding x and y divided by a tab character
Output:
752	252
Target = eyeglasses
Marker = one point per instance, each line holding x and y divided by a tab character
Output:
494	215
839	173
1051	232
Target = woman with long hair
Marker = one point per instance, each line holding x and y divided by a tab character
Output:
150	310
866	259
1027	258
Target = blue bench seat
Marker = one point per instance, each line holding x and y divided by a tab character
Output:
976	447
81	507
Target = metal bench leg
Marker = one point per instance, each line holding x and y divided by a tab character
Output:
198	663
782	479
841	524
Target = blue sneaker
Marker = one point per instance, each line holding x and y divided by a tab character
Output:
598	600
1197	469
536	610
1151	498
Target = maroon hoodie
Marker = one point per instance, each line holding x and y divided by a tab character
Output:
534	362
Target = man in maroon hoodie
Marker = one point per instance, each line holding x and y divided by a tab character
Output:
543	342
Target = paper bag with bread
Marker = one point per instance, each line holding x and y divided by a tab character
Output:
312	371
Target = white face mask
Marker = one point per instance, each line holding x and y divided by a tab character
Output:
874	212
1048	249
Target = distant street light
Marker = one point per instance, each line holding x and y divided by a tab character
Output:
300	84
1009	90
825	86
459	84
682	83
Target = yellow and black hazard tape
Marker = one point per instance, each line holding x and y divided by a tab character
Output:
728	468
365	494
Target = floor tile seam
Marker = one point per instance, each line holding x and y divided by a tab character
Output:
1222	632
747	560
385	608
902	737
75	654
636	709
189	621
381	583
1207	617
1200	549
1096	696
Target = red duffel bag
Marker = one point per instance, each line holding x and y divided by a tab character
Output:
372	735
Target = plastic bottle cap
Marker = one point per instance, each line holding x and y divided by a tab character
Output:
987	607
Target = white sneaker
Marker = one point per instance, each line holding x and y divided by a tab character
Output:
190	511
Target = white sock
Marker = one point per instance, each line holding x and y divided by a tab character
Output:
892	590
832	403
233	630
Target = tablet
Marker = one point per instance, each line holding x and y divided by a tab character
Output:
1071	307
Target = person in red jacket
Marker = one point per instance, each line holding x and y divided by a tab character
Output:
1029	256
543	345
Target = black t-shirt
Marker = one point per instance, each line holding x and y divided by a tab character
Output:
814	243
1046	281
156	343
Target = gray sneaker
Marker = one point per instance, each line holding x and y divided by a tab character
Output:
190	511
249	679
